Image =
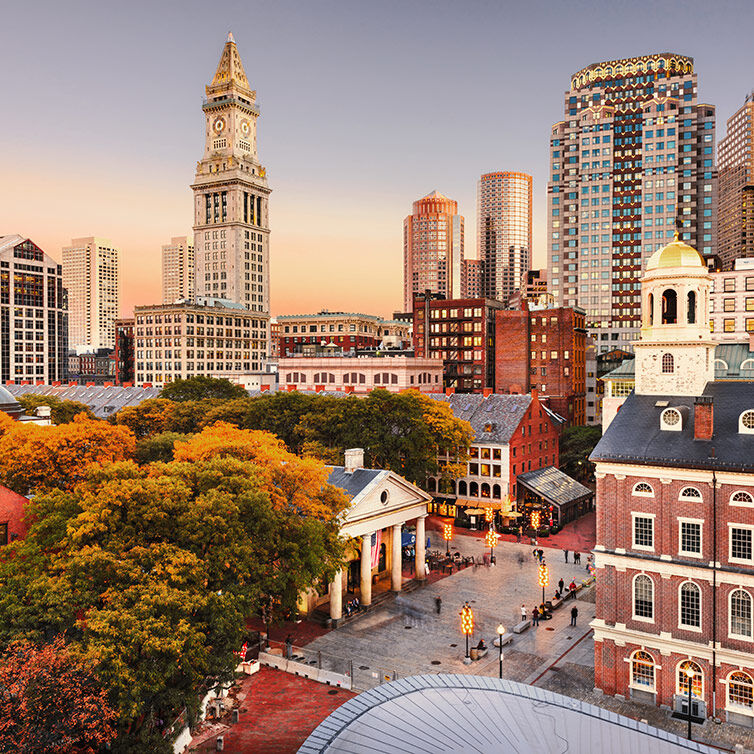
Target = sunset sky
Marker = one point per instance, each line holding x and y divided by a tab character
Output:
365	107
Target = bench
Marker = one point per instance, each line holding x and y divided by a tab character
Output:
556	603
507	639
519	628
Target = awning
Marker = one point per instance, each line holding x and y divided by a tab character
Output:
474	511
407	538
553	486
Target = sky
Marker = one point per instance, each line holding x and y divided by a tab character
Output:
366	106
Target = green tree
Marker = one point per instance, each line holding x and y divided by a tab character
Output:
157	447
576	445
202	388
62	412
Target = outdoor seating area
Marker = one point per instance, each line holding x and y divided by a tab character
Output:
444	563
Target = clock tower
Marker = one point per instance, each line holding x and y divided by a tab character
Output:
231	226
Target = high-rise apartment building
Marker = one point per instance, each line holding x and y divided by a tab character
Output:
90	275
231	222
735	157
33	314
432	249
178	270
632	161
504	231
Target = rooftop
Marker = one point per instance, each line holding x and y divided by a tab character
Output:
552	484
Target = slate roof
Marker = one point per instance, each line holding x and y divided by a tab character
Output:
634	435
103	401
453	713
355	482
552	484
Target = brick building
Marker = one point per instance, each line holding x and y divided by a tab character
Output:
12	523
124	350
461	332
543	348
675	513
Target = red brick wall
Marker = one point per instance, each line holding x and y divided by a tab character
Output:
512	352
12	513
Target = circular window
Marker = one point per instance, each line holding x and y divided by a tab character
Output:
747	419
671	417
384	496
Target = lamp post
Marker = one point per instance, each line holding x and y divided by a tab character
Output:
544	579
467	626
500	632
447	533
490	540
690	679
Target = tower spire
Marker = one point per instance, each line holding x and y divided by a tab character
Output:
230	68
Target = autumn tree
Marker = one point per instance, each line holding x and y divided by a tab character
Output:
51	702
61	412
576	445
34	458
157	447
201	389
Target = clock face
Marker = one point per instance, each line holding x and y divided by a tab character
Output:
245	127
219	125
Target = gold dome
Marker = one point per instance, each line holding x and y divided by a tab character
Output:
676	254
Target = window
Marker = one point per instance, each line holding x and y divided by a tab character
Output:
696	679
729	325
643	531
741	498
690	605
667	363
741	544
642	489
729	285
690	537
740	690
746	422
690	493
4	533
670	419
643	597
740	614
643	670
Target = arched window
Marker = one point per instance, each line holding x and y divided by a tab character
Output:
740	690
643	670
461	488
691	308
642	489
496	492
748	364
453	486
431	485
741	498
740	613
669	307
746	422
651	309
473	489
643	596
485	490
382	560
667	363
690	493
683	679
690	605
720	364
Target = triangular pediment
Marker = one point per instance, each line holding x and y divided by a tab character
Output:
386	494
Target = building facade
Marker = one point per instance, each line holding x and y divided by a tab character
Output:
504	211
124	350
472	278
231	218
675	521
178	270
632	160
347	331
90	275
92	368
33	314
735	157
433	248
206	338
460	333
732	302
544	349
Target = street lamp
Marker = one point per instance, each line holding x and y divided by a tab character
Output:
447	533
467	626
490	540
544	579
500	632
689	678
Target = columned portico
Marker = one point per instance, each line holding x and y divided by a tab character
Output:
396	571
366	570
336	597
421	542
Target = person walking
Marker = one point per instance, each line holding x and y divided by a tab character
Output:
574	615
288	647
561	583
523	612
535	616
577	557
438	604
565	552
535	553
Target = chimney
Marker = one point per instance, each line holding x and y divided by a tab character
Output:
354	459
703	418
43	412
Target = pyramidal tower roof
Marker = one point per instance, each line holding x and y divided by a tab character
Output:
230	71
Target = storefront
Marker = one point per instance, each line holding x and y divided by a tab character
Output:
547	497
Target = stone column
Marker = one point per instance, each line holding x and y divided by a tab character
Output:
397	564
336	598
421	542
366	570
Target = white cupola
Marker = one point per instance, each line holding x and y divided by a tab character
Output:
675	355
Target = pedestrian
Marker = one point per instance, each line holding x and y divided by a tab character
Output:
523	612
535	553
565	552
572	589
541	556
588	563
288	647
438	604
574	615
560	585
577	557
518	535
535	616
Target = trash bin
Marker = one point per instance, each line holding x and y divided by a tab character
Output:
474	653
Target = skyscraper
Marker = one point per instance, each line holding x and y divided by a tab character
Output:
90	275
632	160
432	249
735	157
504	231
178	270
231	229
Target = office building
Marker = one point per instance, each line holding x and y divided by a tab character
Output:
732	302
433	249
33	314
632	160
504	202
124	350
90	275
178	270
735	158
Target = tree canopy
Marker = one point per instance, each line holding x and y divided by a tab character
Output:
201	388
61	412
576	445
